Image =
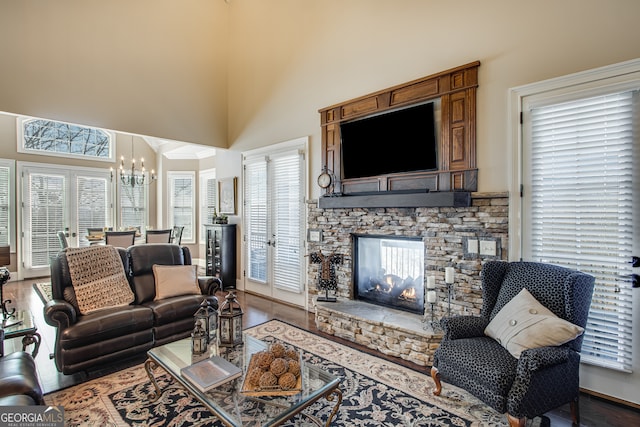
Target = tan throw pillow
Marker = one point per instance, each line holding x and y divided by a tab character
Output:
524	323
174	280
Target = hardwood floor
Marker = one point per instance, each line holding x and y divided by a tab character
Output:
594	411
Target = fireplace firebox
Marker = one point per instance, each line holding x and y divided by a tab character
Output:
389	271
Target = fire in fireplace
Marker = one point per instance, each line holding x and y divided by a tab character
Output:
389	271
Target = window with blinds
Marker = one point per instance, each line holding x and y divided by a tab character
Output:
133	206
182	203
255	209
208	200
92	203
287	202
579	208
5	204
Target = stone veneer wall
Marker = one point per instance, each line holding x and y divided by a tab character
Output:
444	231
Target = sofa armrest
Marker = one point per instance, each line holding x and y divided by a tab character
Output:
209	285
60	314
463	327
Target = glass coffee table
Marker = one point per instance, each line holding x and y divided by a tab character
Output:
228	403
21	324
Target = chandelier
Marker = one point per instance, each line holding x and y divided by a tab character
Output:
133	176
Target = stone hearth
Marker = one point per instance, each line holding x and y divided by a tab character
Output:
391	332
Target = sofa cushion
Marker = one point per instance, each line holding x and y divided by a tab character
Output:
524	323
175	280
107	324
141	261
98	278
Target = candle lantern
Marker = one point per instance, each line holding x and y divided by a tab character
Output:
201	319
230	322
198	340
212	316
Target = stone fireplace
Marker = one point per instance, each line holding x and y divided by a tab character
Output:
389	271
444	232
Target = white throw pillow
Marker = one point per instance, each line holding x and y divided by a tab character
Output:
524	323
175	280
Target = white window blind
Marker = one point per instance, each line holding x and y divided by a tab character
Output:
93	203
45	205
182	203
5	204
287	217
255	193
580	203
208	201
133	206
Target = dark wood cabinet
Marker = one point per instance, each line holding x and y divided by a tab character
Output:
221	253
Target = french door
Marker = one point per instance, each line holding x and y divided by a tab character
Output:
580	206
56	198
274	225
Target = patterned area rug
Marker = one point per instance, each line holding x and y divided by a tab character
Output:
375	393
43	289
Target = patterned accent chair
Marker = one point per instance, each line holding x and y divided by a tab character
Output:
542	378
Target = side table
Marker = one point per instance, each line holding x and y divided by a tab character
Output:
25	328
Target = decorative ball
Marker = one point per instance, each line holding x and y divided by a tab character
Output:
267	379
277	349
291	353
287	381
279	366
294	367
253	376
264	359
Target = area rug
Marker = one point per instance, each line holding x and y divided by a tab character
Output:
43	289
376	392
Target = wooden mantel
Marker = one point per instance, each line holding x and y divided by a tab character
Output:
457	170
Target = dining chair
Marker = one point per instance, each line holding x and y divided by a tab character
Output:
176	235
62	238
120	239
158	236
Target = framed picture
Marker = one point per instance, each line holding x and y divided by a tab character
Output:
227	195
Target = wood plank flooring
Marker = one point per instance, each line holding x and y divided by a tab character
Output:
594	411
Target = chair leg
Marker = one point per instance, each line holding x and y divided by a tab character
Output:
575	412
436	379
516	422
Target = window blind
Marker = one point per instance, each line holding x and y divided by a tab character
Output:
93	198
255	193
4	205
133	206
287	221
580	202
45	205
182	204
208	201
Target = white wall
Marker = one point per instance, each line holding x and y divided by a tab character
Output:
150	67
289	58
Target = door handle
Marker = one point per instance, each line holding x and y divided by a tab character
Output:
635	261
635	281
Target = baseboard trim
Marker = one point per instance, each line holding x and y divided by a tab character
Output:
611	399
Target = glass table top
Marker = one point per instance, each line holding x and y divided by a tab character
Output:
228	403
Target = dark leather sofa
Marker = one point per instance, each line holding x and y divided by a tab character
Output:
84	342
19	384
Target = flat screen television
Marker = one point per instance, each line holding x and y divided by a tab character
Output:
391	142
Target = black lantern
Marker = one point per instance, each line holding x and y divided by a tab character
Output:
198	340
207	316
230	322
212	317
